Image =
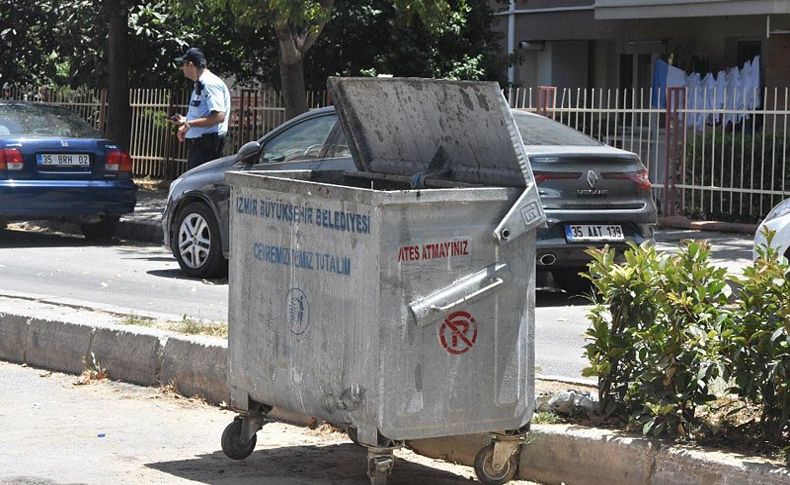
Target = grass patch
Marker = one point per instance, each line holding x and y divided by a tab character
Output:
546	417
187	325
134	319
191	326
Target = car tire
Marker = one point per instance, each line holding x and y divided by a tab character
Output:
99	231
196	242
569	280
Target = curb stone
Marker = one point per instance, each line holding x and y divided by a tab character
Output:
129	354
198	367
682	222
589	456
59	346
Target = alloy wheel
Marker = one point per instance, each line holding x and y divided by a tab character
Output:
194	240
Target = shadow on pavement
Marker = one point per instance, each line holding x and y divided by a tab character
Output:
177	274
10	238
548	297
343	463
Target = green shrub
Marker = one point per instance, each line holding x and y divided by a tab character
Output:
655	334
663	330
757	354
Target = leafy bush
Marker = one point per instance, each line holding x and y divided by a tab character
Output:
665	328
656	334
757	353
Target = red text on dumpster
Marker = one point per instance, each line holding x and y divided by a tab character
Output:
458	333
437	250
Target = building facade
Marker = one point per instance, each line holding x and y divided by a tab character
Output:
615	43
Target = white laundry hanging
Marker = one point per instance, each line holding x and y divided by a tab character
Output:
732	91
709	86
719	88
695	101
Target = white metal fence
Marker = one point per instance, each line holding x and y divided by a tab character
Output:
724	159
731	157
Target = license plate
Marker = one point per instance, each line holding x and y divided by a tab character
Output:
64	159
593	232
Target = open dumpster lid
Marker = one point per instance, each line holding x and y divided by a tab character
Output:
428	128
406	126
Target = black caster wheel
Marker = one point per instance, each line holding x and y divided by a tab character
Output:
233	445
484	467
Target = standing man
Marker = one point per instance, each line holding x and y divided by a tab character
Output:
206	123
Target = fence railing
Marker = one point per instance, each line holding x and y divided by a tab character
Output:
720	154
723	154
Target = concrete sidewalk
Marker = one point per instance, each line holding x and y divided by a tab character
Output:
71	339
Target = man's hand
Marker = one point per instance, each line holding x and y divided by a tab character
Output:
177	119
182	132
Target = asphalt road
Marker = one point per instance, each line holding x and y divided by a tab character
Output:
59	433
133	276
144	279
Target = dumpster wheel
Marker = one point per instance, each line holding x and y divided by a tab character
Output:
488	474
380	463
233	444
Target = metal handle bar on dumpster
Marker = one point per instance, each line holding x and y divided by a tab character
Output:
469	297
427	309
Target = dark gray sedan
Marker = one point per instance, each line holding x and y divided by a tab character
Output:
592	194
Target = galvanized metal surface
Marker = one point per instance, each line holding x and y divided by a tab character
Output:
395	312
320	319
452	130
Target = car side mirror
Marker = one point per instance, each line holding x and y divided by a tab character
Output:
248	153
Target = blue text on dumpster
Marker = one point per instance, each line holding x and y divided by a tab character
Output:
345	221
303	259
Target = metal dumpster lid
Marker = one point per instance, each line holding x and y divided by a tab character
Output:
454	130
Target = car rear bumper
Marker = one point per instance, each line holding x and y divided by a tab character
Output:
554	251
65	199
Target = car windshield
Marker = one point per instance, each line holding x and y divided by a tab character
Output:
537	130
19	119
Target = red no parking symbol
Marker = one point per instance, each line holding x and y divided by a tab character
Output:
458	333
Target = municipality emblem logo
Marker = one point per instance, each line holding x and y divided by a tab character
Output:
297	311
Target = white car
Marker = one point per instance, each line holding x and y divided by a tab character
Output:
777	220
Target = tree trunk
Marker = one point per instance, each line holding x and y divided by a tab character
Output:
292	82
118	110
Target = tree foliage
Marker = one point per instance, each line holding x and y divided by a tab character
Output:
357	26
27	42
64	42
374	37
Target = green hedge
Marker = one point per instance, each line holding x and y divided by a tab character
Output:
666	328
738	158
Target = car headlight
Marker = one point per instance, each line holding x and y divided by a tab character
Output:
173	186
779	210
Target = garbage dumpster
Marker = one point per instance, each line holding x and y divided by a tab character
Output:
396	301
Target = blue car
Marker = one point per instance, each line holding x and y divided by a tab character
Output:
55	166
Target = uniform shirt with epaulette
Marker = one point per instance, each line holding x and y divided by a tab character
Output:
210	94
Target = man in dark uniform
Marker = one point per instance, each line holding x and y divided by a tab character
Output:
206	123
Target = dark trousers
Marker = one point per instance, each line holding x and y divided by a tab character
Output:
203	149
